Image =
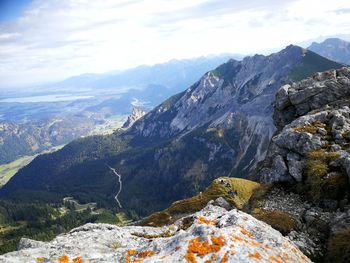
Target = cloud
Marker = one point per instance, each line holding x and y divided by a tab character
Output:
60	38
342	11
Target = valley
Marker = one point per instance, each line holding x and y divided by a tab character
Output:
206	131
203	145
36	119
10	169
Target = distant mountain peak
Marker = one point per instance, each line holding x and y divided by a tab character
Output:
333	48
136	114
221	125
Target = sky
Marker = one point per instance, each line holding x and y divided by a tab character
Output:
49	40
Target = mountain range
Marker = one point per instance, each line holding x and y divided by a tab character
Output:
299	214
277	119
220	126
31	125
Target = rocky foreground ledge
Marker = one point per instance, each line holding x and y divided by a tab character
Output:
211	235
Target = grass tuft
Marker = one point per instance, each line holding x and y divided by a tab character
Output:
339	247
312	128
279	220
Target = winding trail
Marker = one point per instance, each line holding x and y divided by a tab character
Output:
120	184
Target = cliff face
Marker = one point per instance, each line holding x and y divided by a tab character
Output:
310	156
213	234
136	114
235	97
313	121
17	139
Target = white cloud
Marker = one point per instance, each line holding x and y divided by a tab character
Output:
59	38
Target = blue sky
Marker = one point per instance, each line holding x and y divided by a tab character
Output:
12	9
49	40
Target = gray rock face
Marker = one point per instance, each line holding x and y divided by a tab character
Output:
311	115
28	243
313	222
295	166
216	235
236	97
293	101
136	114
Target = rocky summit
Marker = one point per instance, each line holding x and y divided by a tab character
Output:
313	118
136	114
210	235
309	155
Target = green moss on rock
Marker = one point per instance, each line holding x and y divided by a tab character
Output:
339	247
323	181
279	220
236	191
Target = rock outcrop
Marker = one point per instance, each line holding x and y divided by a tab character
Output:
310	155
313	118
136	114
211	235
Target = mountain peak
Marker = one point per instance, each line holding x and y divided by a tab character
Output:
136	114
333	48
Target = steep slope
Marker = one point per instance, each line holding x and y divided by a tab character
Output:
214	235
24	120
313	119
333	48
18	139
220	126
309	156
136	114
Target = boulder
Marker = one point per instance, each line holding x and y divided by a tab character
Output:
215	235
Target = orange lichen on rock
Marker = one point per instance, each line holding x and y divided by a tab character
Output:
238	238
214	257
246	233
255	243
40	259
203	220
63	259
77	260
267	246
131	252
127	259
218	242
275	259
145	254
190	257
235	238
198	247
203	247
255	255
225	258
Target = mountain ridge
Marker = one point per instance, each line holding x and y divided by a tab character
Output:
221	125
333	48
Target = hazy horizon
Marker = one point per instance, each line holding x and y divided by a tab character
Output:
47	41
